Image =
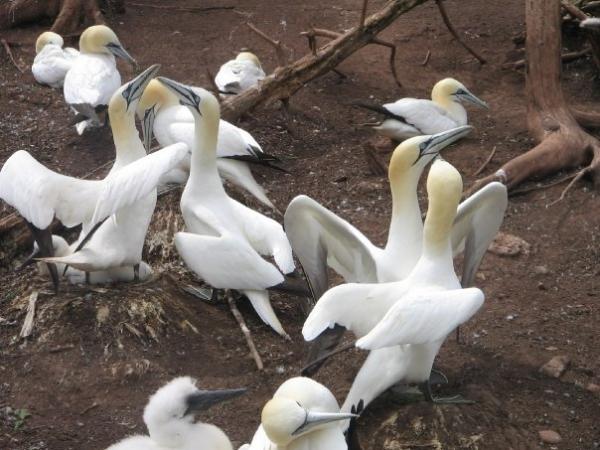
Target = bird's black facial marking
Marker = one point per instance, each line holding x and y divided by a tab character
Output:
460	92
423	146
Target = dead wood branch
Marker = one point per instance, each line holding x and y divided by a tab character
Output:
6	46
562	143
363	13
454	33
542	186
281	53
183	8
592	36
586	119
426	59
485	163
566	57
240	320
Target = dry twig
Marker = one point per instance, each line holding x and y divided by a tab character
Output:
485	163
575	179
240	320
279	50
426	59
363	13
182	8
8	51
454	33
566	57
541	186
27	327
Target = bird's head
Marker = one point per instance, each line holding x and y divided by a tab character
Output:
248	56
48	37
101	39
155	96
201	102
450	89
413	154
172	408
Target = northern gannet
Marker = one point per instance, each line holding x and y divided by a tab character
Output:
224	240
52	61
302	415
169	417
93	77
40	194
410	117
320	238
170	122
239	74
404	323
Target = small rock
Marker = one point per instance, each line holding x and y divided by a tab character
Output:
551	348
556	366
541	270
550	436
541	286
367	186
593	388
505	244
102	314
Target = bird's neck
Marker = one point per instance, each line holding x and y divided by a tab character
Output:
126	138
203	169
406	226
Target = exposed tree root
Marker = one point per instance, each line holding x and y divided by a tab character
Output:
242	323
563	144
566	57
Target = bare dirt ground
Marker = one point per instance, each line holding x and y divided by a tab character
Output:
95	355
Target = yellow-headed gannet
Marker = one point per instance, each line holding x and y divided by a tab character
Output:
239	74
52	61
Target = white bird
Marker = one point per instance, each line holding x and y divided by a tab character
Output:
302	415
239	74
40	194
404	323
225	239
171	122
169	417
93	77
52	61
410	117
592	23
320	238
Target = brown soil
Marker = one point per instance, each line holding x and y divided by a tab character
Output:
96	355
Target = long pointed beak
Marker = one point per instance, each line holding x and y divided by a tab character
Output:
314	419
437	142
120	52
185	93
135	88
148	126
471	98
203	400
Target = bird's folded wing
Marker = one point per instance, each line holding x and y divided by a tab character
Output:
226	262
234	141
320	239
226	76
477	222
91	80
266	236
40	194
136	180
423	317
238	173
357	307
424	115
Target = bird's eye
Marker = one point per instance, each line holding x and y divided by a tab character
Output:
423	146
459	92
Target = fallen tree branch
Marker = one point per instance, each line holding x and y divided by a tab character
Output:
454	33
6	46
592	36
240	320
285	81
541	187
182	8
279	50
566	57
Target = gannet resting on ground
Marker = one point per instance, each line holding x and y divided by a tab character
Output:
225	239
94	77
404	323
52	61
320	238
410	117
239	74
170	122
169	417
593	23
302	415
40	194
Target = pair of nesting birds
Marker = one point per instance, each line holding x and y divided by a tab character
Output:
302	414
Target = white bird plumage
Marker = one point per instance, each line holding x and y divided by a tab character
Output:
52	61
93	77
405	322
170	122
409	117
302	415
169	417
239	74
225	239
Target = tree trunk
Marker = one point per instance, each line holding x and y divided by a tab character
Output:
562	143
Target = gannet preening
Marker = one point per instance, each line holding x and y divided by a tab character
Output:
410	117
169	417
170	122
224	240
93	77
52	61
239	74
320	238
404	323
302	415
40	194
593	23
